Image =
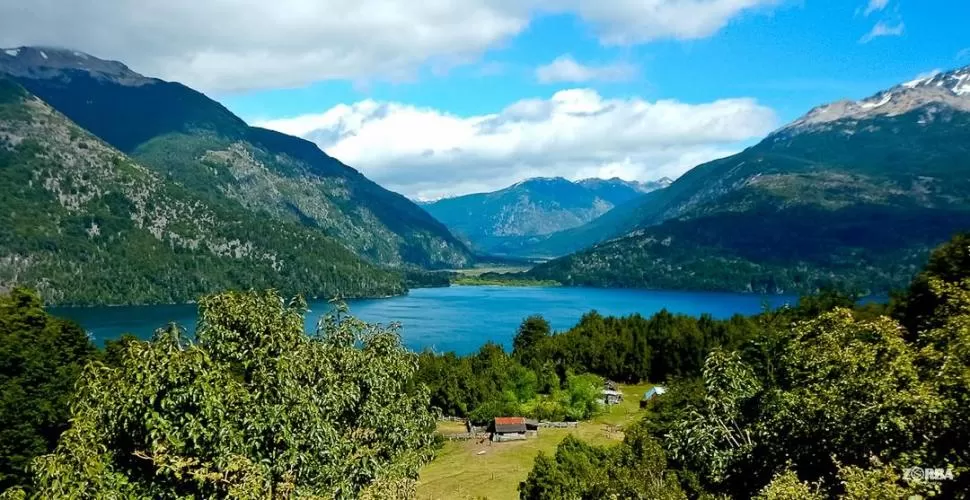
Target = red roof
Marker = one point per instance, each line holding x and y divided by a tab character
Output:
509	420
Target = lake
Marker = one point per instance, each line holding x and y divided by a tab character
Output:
458	318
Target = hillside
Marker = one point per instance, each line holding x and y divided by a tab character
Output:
854	194
192	140
515	218
85	224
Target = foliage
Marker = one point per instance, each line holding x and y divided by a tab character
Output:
629	349
417	278
492	383
532	332
41	358
917	309
253	408
827	401
637	469
635	348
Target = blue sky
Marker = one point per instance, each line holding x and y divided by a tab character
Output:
791	58
446	97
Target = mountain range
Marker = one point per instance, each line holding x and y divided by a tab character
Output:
853	194
519	216
129	189
120	188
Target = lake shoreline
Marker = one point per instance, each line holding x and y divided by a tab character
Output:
454	318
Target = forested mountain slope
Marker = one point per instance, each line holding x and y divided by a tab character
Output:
85	224
513	219
194	141
853	194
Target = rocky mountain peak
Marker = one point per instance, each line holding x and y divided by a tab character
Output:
948	89
50	62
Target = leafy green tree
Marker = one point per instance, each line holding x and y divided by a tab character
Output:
253	408
532	332
950	263
577	470
635	469
41	358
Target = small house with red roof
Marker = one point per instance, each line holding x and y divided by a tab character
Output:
512	428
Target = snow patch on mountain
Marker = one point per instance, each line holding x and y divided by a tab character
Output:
950	89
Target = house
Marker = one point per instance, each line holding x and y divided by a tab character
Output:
654	391
509	429
612	396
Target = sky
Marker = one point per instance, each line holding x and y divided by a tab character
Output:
447	97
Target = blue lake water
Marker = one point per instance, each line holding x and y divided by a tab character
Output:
459	318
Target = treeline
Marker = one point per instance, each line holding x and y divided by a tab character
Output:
493	383
252	407
542	365
828	400
795	250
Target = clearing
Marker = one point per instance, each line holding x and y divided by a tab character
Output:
460	472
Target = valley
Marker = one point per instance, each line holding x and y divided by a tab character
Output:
548	251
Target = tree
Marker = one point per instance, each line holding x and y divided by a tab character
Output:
41	358
634	469
949	263
253	408
532	332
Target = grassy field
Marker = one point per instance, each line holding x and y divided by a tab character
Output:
475	271
461	470
499	281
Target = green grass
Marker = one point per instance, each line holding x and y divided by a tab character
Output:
498	281
478	270
460	472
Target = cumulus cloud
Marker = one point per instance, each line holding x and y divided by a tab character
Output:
426	153
882	29
243	44
248	44
566	69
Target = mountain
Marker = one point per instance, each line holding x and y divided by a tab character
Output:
853	194
502	221
193	141
86	224
618	191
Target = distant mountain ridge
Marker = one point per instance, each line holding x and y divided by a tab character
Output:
196	142
852	194
497	221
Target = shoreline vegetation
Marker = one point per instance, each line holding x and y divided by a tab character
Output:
502	281
763	406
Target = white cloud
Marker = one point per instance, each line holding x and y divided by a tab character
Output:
875	6
627	22
427	153
243	44
963	54
565	69
883	29
246	44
